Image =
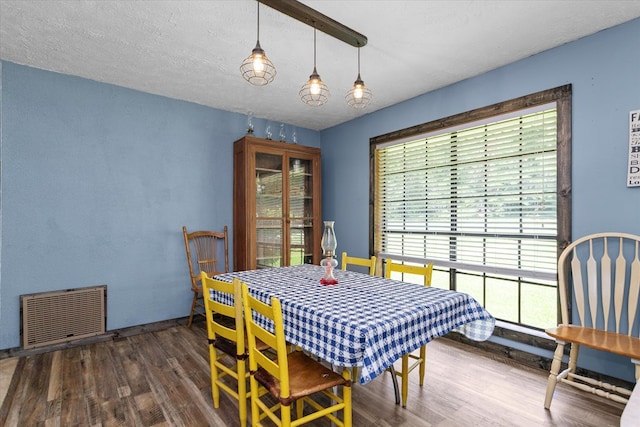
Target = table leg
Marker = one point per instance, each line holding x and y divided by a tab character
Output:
394	378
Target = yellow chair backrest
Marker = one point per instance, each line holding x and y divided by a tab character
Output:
216	328
425	271
363	262
258	358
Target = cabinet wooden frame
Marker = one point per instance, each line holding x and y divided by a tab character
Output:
245	215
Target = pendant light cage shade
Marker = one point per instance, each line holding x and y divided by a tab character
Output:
257	69
314	92
359	96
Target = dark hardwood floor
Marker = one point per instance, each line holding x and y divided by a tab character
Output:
161	378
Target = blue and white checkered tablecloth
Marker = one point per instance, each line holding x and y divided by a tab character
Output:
363	321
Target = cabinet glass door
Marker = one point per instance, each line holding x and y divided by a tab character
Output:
269	212
300	211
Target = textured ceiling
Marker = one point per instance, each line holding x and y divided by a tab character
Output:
192	50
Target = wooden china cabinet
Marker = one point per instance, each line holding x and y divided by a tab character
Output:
276	204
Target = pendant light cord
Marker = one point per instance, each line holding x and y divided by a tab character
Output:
258	31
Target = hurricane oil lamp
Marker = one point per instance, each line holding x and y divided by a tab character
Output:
329	263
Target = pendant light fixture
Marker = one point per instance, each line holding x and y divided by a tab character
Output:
257	69
359	96
314	92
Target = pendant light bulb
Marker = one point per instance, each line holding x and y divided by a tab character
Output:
357	91
258	64
257	69
359	96
315	87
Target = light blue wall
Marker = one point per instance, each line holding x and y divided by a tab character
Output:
604	70
97	182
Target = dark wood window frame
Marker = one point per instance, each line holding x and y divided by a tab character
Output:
561	96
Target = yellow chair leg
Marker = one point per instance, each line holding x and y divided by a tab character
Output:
255	410
242	391
299	408
405	379
285	415
346	398
215	391
423	363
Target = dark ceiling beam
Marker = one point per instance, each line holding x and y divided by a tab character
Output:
315	19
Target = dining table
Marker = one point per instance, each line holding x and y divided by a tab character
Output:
363	321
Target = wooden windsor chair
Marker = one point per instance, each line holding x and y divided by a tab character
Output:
205	250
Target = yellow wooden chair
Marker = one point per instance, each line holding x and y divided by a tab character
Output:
227	340
370	263
290	376
418	270
605	285
362	262
207	251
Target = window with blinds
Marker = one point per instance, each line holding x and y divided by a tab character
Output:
480	201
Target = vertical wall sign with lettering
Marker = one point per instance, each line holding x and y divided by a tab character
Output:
633	171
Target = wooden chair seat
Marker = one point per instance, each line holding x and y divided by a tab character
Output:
306	377
230	347
612	342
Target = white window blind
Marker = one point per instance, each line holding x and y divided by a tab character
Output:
480	196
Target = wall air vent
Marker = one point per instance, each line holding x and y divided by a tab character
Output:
62	316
